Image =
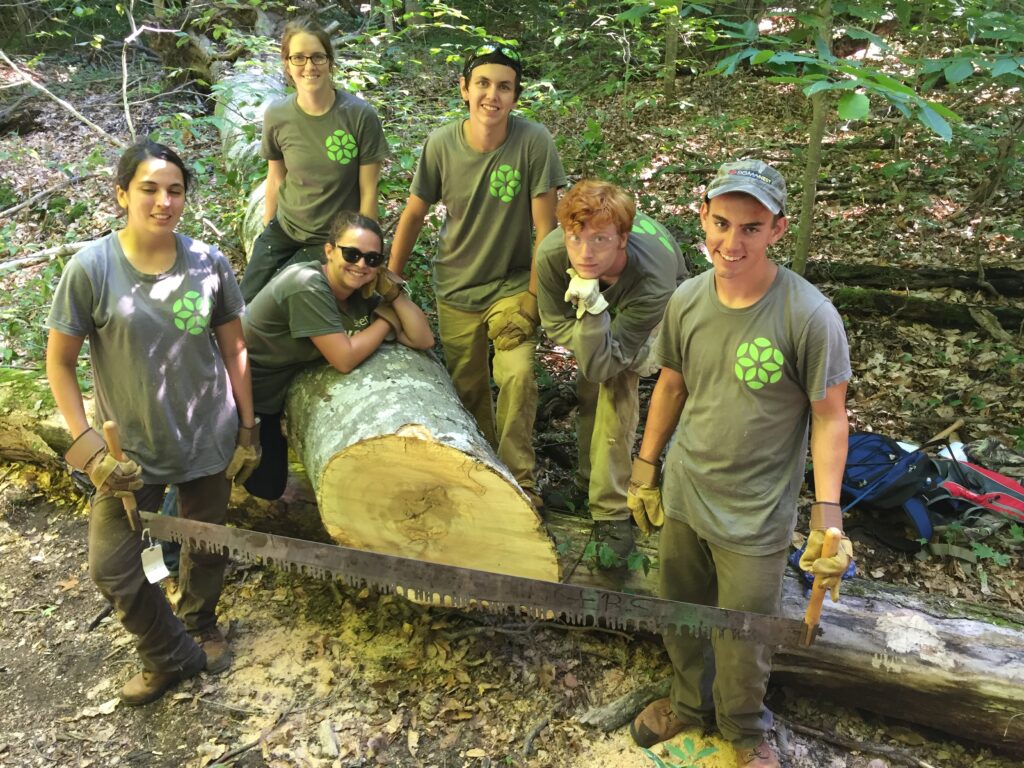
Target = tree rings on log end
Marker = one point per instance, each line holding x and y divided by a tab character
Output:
413	497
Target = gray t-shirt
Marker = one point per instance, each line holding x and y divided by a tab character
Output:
155	362
322	154
736	463
608	343
296	305
486	242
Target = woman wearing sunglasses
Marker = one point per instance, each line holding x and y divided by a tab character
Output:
340	311
323	148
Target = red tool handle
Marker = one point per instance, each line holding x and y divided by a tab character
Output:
829	548
113	438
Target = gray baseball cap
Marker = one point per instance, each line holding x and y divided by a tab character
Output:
753	177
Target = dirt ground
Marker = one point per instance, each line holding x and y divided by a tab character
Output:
328	678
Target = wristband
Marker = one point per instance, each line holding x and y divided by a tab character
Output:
826	514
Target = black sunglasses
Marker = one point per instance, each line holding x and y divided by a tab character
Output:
353	255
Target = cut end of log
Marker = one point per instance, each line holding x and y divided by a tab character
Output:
425	500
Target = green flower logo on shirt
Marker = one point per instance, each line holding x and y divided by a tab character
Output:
341	146
758	363
644	225
192	313
506	183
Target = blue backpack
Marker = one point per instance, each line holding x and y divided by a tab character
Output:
880	474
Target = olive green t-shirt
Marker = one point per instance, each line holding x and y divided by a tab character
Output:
736	463
279	326
486	243
322	155
609	342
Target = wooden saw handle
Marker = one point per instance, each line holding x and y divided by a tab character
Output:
813	615
113	439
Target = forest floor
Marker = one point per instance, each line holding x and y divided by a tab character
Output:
329	677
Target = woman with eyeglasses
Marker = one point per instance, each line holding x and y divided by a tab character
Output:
340	311
324	148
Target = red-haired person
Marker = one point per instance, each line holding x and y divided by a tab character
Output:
604	278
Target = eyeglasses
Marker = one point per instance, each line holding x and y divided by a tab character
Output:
353	255
488	48
300	59
597	242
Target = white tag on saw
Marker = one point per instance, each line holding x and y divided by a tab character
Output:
153	564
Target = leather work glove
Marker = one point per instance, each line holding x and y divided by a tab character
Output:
388	285
387	313
825	515
585	293
89	454
515	325
247	454
644	496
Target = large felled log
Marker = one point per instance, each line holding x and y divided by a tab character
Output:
892	653
399	466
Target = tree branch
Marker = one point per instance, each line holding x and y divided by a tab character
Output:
27	78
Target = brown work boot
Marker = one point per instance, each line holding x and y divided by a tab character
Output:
658	723
216	647
149	686
761	756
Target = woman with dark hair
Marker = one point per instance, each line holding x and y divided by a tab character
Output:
341	311
161	313
323	147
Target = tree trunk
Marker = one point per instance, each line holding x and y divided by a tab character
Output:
400	467
1009	282
941	314
671	50
819	118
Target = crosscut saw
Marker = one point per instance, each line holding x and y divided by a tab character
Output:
453	586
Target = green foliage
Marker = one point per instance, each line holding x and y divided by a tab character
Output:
23	318
985	552
686	756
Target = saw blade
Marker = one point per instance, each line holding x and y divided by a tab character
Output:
454	586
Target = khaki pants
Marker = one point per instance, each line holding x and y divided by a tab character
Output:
722	677
509	429
606	430
115	564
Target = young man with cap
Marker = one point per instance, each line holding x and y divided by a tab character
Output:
496	174
604	278
751	353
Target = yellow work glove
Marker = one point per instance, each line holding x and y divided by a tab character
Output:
89	454
825	515
387	285
644	496
515	325
247	454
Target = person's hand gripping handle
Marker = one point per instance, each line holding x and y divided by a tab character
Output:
813	615
113	439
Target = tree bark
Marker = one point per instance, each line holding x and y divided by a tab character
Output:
865	301
400	467
1009	282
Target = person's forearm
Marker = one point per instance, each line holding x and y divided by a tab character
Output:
663	414
275	175
416	331
542	211
61	360
236	361
409	226
369	183
829	442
